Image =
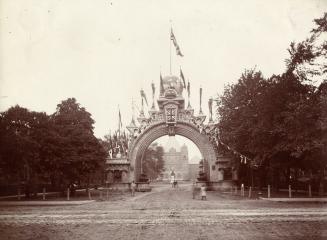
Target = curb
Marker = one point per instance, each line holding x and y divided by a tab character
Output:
312	200
44	203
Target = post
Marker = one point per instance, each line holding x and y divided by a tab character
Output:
18	193
310	193
250	192
68	193
43	194
235	189
107	194
100	194
89	193
269	191
289	191
242	190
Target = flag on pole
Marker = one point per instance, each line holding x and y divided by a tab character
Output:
188	89
161	85
173	38
153	88
144	96
182	77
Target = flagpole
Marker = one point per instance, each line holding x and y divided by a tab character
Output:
170	47
170	56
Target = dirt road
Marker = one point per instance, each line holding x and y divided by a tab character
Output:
167	213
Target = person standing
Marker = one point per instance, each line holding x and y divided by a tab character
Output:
193	190
133	187
203	193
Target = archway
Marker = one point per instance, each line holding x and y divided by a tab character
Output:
172	155
155	131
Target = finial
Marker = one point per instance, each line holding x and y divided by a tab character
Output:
153	92
210	109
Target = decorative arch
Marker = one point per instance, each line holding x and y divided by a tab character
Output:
157	130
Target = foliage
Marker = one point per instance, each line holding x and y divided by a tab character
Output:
153	164
80	151
280	122
308	59
38	148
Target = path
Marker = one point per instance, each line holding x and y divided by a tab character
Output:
167	213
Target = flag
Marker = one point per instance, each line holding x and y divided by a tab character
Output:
153	88
182	77
188	88
144	96
161	85
172	37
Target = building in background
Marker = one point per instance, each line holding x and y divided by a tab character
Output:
176	160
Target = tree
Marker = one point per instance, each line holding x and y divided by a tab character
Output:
81	153
269	121
308	59
153	164
20	144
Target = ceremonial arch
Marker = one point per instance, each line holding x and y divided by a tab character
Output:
157	130
171	117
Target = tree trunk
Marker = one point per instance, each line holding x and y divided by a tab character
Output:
321	182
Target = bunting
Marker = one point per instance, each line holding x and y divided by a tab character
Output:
243	159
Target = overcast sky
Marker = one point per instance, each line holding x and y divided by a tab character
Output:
103	52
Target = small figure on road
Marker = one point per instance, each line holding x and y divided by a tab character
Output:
175	184
203	193
193	190
133	187
172	179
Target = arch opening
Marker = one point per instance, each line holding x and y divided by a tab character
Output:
171	156
156	131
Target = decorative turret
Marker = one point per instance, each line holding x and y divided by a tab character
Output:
171	90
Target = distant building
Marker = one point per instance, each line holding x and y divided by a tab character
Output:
175	160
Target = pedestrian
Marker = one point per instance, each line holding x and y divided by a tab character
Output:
133	187
172	181
193	190
203	193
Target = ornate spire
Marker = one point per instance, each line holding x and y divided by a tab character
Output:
188	94
161	85
132	126
210	109
153	92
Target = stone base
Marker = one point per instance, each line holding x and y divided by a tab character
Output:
221	185
143	187
118	186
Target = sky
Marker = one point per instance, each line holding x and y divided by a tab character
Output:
103	52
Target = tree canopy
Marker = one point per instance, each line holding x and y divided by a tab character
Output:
61	148
281	121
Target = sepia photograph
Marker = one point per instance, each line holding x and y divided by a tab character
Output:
162	120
